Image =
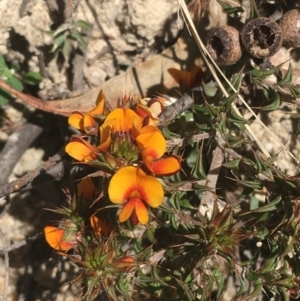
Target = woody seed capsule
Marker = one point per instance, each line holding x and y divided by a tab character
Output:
223	44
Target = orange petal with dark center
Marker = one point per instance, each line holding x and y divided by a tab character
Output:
131	182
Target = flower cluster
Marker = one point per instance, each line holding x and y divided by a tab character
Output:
127	149
127	144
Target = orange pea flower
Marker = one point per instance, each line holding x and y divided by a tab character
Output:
153	145
58	239
132	188
86	121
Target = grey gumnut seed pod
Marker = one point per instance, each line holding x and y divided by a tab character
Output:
262	37
290	25
223	44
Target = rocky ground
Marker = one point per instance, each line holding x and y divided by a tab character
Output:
124	34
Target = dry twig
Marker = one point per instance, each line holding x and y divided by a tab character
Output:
15	146
53	169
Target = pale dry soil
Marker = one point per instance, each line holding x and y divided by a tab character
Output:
133	31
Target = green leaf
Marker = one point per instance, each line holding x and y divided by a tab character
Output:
7	74
15	83
209	90
294	90
242	288
233	116
269	264
150	236
2	62
269	207
222	125
83	24
256	72
186	204
235	142
16	67
5	97
234	11
262	74
214	112
227	103
32	78
287	79
58	41
77	36
237	79
189	296
66	51
198	171
259	164
49	32
233	164
174	202
252	184
62	29
256	290
272	106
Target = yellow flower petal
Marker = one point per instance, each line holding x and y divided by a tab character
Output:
105	139
152	145
131	182
149	129
126	211
122	120
99	109
141	212
54	237
88	122
166	166
81	150
76	120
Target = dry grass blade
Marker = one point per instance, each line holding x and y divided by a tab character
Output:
212	67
